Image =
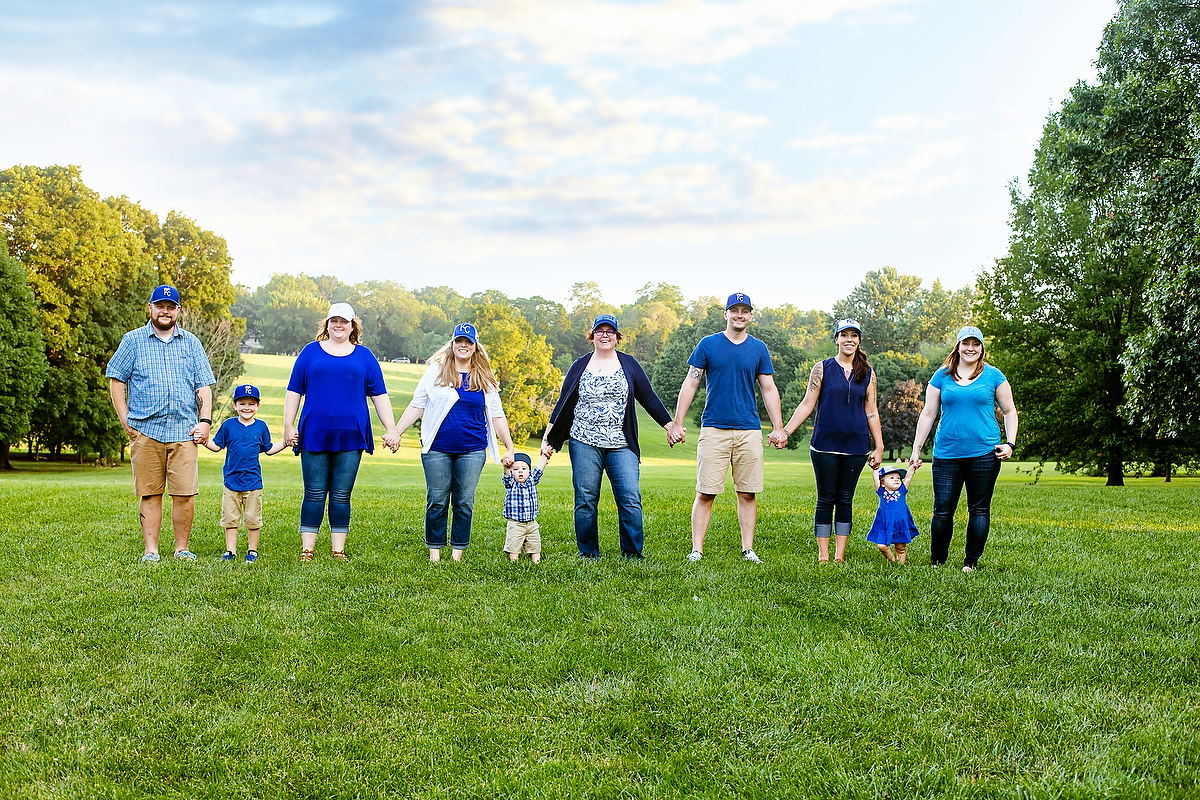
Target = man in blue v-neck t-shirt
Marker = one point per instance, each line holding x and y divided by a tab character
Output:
732	362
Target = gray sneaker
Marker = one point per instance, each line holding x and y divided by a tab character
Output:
695	555
751	556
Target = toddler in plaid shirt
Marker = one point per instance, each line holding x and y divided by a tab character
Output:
521	508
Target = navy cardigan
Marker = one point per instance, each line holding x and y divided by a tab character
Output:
639	388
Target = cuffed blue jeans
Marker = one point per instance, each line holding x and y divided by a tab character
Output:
588	465
450	481
327	475
950	475
837	478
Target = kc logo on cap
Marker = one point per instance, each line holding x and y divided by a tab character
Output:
465	330
245	390
165	293
738	298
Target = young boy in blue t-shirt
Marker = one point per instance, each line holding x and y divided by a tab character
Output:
243	438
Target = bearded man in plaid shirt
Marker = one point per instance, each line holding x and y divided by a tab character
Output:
160	383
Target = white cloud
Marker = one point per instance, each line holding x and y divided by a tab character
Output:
665	33
757	84
832	141
291	16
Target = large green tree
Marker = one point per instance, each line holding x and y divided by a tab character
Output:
522	362
22	354
90	277
1135	134
1059	309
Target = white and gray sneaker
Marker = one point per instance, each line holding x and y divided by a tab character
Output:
695	555
750	555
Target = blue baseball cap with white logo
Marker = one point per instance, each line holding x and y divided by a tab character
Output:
737	298
969	332
465	330
605	319
166	293
245	390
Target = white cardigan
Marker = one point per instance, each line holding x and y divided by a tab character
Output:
437	402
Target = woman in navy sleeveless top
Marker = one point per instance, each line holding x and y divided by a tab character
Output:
842	391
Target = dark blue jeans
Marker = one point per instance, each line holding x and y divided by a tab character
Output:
837	478
327	474
450	481
588	465
950	475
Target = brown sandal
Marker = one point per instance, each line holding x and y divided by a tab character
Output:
306	556
340	555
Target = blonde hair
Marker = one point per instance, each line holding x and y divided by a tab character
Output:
480	377
355	331
951	363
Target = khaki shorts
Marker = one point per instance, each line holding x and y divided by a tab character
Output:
235	504
156	466
525	535
719	448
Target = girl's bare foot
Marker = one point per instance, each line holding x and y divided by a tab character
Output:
435	554
456	554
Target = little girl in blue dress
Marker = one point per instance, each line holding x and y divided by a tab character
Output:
893	525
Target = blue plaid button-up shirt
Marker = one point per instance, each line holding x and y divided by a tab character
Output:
162	378
520	501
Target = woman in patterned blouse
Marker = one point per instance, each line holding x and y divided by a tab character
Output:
595	413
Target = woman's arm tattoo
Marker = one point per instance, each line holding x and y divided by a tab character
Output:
695	374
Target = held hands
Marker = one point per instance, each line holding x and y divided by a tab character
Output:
778	438
507	459
547	451
875	459
291	436
676	433
391	440
199	432
914	461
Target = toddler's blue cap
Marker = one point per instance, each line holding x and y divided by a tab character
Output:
522	457
901	471
465	330
165	292
245	390
970	331
605	319
736	298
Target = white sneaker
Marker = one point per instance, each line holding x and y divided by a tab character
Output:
751	556
695	555
968	568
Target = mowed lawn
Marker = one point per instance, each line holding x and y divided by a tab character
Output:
1068	666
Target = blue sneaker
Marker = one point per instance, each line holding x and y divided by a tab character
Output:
251	556
185	555
150	558
229	556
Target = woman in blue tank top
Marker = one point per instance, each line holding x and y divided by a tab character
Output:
842	391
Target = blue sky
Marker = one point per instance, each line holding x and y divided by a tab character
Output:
776	147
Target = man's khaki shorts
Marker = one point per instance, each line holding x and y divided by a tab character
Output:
234	504
526	535
718	449
157	466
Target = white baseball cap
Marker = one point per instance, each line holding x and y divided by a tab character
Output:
342	310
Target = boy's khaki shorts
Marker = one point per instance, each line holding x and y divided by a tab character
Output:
525	535
234	504
719	448
157	465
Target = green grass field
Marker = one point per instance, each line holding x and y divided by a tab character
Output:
1069	666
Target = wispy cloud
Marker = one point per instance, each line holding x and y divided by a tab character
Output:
661	34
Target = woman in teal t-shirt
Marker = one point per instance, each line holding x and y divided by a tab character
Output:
968	447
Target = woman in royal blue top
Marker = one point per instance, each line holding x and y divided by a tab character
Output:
334	376
462	421
842	390
968	447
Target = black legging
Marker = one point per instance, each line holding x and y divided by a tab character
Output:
837	478
949	476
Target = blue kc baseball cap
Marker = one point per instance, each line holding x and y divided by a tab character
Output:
605	319
738	298
245	390
465	330
847	324
970	331
165	292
